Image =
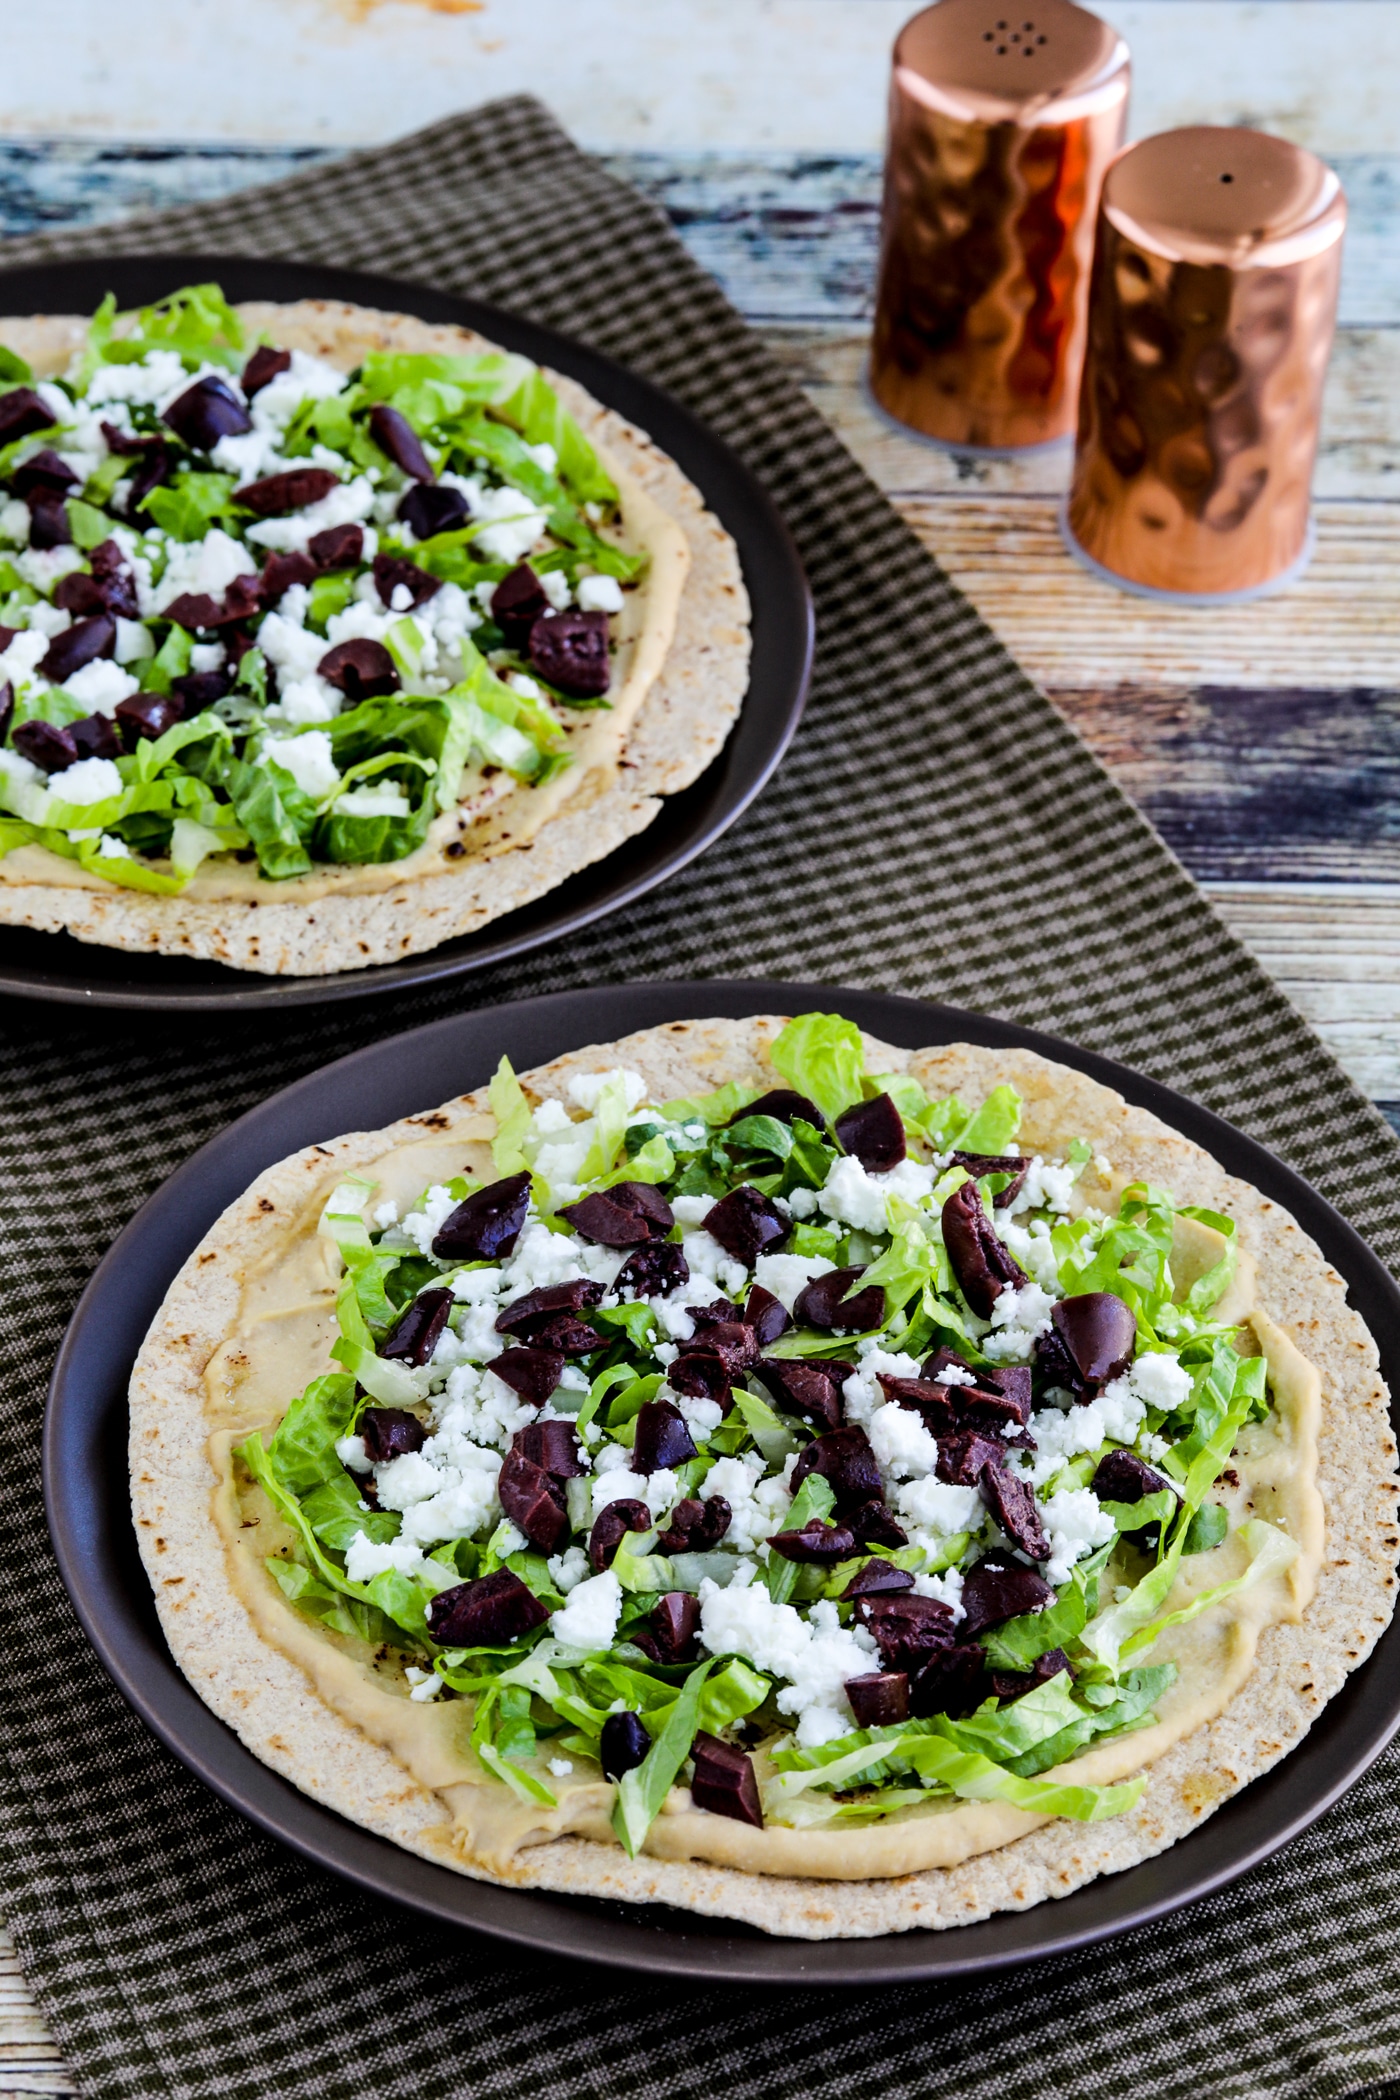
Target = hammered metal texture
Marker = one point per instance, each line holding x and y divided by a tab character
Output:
1200	410
986	247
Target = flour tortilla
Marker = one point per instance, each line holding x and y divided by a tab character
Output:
627	761
269	1701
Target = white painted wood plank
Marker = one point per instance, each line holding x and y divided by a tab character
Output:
729	74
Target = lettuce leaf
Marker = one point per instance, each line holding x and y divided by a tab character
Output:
641	1792
823	1057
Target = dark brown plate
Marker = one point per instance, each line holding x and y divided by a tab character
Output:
85	1472
78	973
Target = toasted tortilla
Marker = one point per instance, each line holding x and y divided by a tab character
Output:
680	676
249	1319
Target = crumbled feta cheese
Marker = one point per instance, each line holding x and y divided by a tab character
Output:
785	1275
561	1767
599	594
158	374
109	848
14	522
862	1392
516	524
364	1559
586	1088
946	1588
814	1656
568	1569
207	656
705	1257
403	1481
386	1214
555	585
939	1507
543	1257
1074	1524
90	780
480	1409
702	1417
426	1683
133	643
1019	1318
100	685
423	1224
208	565
465	1500
351	1452
588	1621
23	655
1032	1248
902	1445
1047	1186
307	758
759	1505
856	1198
1158	1380
551	1116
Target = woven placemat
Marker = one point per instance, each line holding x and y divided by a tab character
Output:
937	829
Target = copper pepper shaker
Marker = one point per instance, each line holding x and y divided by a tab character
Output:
1212	307
1002	124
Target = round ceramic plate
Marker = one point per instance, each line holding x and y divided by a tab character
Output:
55	966
90	1515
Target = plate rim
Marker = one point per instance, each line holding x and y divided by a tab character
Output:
783	628
1264	1816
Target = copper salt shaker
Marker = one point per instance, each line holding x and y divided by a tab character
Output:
1002	125
1211	313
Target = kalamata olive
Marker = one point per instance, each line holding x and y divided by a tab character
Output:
263	366
415	1334
746	1224
874	1526
570	652
980	1262
22	412
1001	1396
148	715
833	1304
49	524
846	1462
816	1545
78	593
194	610
729	1342
282	571
517	602
935	1404
877	1578
96	737
1014	1684
906	1628
492	1612
338	547
624	1215
702	1374
952	1681
196	690
393	573
566	1334
525	1315
391	1432
487	1225
695	1526
205	412
784	1105
806	1388
532	1373
7	709
662	1441
724	1781
874	1132
962	1457
998	1589
766	1315
534	1502
155	470
611	1525
553	1447
652	1271
623	1744
1100	1335
980	1163
1012	1502
114	578
361	669
45	745
1121	1476
430	508
880	1699
396	436
43	470
276	494
672	1627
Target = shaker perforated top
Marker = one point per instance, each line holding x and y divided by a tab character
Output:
1218	194
1041	62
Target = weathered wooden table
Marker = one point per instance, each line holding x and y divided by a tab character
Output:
1263	741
